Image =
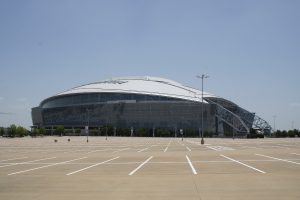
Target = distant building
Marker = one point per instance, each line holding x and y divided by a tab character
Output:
144	102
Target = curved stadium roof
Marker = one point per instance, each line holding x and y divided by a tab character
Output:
140	85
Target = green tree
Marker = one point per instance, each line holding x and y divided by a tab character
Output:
284	133
296	132
110	130
77	131
94	132
122	131
2	131
277	133
161	132
42	131
188	133
21	131
12	130
35	132
141	132
102	131
208	134
60	130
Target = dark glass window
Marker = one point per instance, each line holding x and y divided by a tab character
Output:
94	98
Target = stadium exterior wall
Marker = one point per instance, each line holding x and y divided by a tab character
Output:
137	115
134	109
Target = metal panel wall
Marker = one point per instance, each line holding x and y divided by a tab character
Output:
137	115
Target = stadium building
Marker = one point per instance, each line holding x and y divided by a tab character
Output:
144	102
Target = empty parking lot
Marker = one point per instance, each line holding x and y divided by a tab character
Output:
149	168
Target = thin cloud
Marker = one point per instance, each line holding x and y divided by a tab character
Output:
7	113
295	105
22	99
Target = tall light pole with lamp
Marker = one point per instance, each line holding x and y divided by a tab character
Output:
88	125
274	119
203	76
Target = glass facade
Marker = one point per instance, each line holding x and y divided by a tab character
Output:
95	98
173	114
245	115
123	110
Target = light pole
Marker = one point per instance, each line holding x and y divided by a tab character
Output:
203	76
88	126
106	132
274	118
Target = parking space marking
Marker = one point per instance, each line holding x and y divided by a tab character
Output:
197	143
92	166
13	159
284	160
180	143
243	164
296	154
191	165
142	150
162	162
289	145
220	148
188	148
27	162
273	146
250	147
19	172
97	151
167	146
141	165
285	145
120	150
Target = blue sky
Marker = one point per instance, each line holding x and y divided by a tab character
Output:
250	50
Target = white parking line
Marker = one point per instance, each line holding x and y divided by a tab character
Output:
97	151
141	165
197	143
91	166
162	162
283	145
142	150
13	159
191	165
296	154
188	148
278	159
27	162
244	164
250	147
120	150
220	148
273	146
19	172
167	147
180	143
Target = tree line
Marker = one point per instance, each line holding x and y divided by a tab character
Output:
19	131
14	131
289	133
